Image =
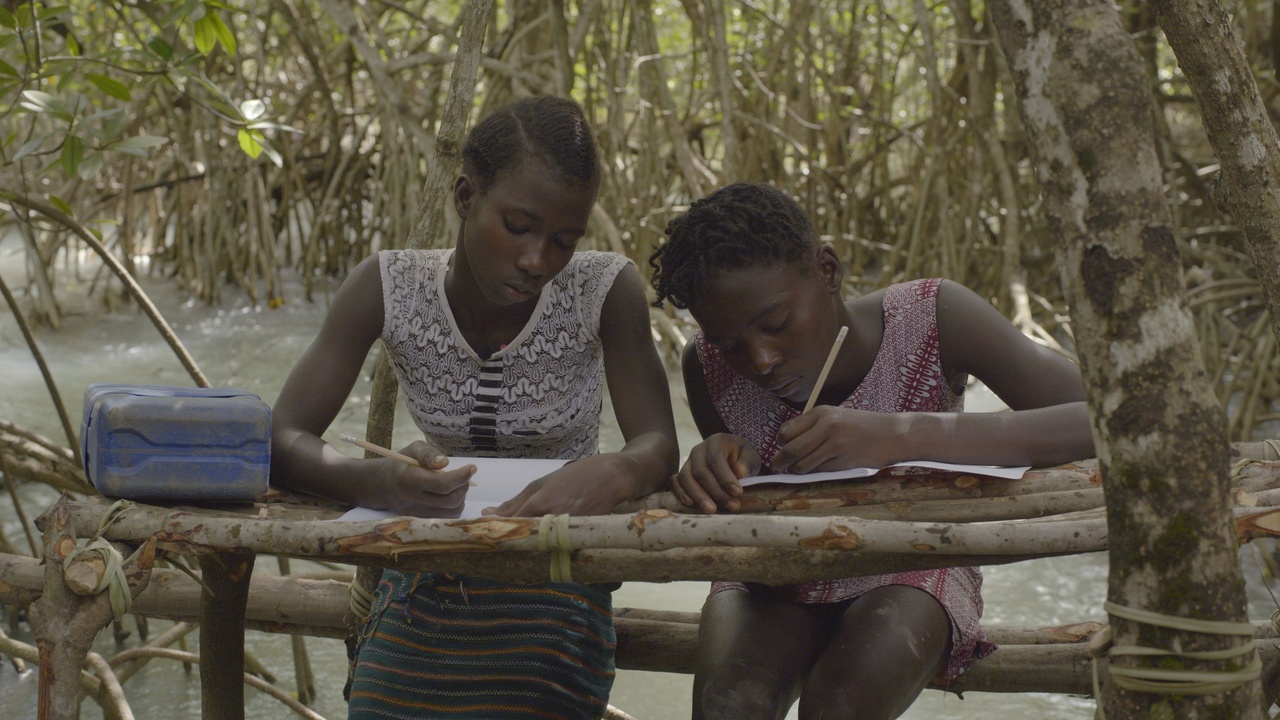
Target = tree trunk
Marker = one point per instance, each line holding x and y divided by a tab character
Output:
1236	121
1160	432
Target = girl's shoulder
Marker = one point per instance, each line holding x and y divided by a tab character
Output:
592	272
411	268
586	260
911	292
414	258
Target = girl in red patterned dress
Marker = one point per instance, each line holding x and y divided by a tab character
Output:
766	293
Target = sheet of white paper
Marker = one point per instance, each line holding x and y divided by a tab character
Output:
1011	473
496	481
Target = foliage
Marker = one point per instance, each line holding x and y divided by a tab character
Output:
224	143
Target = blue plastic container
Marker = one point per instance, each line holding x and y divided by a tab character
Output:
156	442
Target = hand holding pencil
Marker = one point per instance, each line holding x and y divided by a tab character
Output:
439	462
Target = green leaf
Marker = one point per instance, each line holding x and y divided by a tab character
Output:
90	167
112	87
7	69
47	13
61	205
78	102
219	101
8	20
206	35
29	147
43	102
114	126
23	16
72	154
252	109
250	142
40	101
267	125
73	46
180	12
162	49
101	115
271	153
139	145
225	37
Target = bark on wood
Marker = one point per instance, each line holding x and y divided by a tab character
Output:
1238	126
1087	108
65	624
1030	659
222	606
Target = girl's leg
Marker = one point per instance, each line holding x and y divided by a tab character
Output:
753	654
885	649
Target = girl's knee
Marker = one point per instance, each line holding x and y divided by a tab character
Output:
743	692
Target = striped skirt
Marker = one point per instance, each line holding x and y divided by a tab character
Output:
444	646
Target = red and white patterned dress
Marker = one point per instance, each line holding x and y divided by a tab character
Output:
906	376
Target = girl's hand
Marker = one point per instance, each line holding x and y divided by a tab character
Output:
709	478
588	486
835	438
427	491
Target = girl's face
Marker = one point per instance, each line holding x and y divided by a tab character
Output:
521	233
774	324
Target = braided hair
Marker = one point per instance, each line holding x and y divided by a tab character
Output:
553	130
738	226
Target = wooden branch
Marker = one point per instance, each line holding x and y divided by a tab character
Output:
652	545
222	634
65	624
114	704
1031	659
247	679
135	291
1035	659
657	545
18	650
29	456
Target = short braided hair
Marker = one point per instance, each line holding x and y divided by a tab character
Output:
551	129
738	226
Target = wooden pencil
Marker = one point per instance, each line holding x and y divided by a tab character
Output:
822	377
379	450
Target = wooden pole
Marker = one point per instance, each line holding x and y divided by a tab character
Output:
222	634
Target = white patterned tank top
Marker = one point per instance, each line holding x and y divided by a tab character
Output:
537	397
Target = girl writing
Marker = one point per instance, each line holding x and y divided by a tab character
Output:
501	345
746	262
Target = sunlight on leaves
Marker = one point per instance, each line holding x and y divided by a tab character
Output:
250	142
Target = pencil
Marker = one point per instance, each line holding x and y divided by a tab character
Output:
379	450
822	376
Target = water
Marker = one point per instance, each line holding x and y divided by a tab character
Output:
253	348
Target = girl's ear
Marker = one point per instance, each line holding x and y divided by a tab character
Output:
464	193
831	267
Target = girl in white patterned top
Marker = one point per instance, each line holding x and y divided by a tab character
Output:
502	345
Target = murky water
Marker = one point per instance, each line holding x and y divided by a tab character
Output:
253	348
